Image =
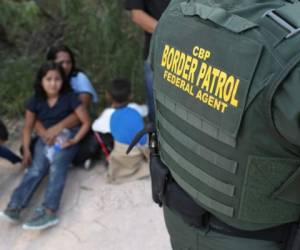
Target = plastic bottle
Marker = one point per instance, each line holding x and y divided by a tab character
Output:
51	150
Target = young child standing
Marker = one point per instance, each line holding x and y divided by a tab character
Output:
51	103
123	120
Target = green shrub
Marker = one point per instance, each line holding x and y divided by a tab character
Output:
105	42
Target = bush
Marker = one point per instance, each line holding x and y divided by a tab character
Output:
105	42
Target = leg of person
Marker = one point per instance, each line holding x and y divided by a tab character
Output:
22	194
105	145
91	150
9	155
148	78
84	152
46	215
182	237
186	237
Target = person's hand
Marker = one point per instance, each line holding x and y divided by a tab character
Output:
50	135
69	143
27	158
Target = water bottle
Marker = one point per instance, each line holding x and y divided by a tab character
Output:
51	150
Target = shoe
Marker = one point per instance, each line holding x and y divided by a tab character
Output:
87	164
11	215
41	220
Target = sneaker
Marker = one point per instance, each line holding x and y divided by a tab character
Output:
87	164
41	220
11	215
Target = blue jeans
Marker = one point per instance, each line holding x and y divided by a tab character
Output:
39	168
148	78
9	155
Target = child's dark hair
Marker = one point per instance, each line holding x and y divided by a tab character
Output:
3	132
54	50
119	89
39	90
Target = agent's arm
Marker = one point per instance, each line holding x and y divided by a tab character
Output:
143	20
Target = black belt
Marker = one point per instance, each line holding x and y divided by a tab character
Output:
277	234
177	199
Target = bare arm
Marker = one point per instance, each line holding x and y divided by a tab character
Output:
70	121
85	99
27	130
49	135
143	20
85	125
39	128
85	122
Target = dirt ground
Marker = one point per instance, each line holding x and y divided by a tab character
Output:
94	215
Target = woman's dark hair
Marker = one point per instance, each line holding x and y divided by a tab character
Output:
54	50
43	70
119	89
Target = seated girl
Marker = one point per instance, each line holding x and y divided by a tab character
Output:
51	103
81	85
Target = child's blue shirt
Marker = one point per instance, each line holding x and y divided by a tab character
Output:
123	123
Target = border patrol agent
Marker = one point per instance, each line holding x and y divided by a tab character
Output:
227	87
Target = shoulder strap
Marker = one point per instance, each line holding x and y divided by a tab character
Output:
276	81
282	23
218	16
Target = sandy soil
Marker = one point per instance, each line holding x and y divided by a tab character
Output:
94	215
